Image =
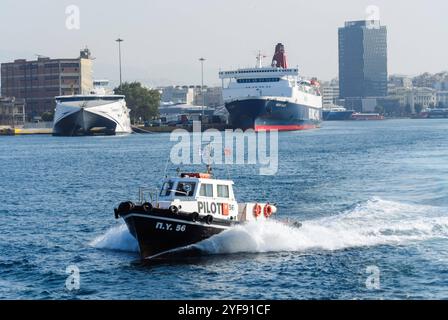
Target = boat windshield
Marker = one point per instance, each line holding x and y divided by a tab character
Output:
167	189
185	189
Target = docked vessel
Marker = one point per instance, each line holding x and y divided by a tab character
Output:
92	114
271	98
438	113
337	114
188	209
367	116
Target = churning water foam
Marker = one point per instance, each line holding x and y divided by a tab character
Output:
374	222
117	238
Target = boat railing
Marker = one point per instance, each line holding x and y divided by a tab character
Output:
148	194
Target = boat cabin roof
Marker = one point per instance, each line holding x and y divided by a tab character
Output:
198	177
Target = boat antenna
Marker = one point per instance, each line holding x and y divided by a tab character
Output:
227	171
166	166
260	57
209	164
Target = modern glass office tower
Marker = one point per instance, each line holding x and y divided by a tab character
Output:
362	59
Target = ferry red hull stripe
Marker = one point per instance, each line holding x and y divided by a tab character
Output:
285	127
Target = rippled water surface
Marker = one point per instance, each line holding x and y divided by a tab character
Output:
367	193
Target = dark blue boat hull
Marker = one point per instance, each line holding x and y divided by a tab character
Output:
263	114
337	115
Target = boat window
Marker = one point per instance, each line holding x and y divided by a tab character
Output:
206	190
185	189
223	191
167	188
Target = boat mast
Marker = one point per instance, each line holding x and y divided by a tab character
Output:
260	57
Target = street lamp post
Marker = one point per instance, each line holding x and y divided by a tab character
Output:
202	85
119	40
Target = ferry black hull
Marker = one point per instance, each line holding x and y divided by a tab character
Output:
84	123
337	115
262	114
159	233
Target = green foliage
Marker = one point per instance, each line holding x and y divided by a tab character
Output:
47	116
144	103
379	109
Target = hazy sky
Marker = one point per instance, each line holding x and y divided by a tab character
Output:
165	38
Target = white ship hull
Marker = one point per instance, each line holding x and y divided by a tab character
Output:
90	115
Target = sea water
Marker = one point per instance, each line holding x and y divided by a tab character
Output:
370	196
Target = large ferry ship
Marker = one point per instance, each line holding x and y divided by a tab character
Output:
96	113
271	98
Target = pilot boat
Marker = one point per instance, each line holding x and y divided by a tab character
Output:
189	208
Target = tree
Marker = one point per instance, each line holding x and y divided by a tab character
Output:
47	116
379	109
144	103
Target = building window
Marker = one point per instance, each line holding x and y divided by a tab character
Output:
70	65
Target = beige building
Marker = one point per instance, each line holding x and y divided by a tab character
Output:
330	93
178	94
12	111
40	81
442	99
212	97
425	97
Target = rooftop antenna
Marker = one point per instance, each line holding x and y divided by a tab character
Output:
40	56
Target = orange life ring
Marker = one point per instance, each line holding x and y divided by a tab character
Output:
267	211
257	210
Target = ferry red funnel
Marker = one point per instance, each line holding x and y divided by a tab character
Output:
279	59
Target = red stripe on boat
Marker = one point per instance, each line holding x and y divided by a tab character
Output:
285	127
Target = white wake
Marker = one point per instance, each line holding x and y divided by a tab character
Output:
374	222
117	238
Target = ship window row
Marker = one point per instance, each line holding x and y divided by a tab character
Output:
258	80
267	70
187	189
207	191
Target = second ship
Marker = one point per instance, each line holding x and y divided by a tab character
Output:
271	98
96	113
